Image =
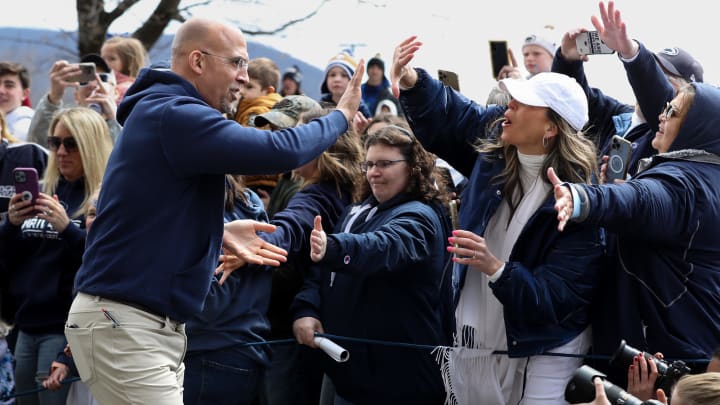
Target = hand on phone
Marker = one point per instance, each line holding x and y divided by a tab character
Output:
616	166
589	43
87	73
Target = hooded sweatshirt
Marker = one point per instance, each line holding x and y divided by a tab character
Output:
158	232
665	295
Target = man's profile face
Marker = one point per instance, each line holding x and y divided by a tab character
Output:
12	93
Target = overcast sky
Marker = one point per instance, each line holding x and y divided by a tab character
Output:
455	32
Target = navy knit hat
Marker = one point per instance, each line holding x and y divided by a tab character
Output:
293	73
376	61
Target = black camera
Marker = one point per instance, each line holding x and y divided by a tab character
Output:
582	389
668	373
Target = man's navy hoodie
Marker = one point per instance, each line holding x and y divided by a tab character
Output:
159	229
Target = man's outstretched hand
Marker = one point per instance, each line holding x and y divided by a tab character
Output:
240	240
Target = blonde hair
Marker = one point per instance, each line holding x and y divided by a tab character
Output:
340	163
132	53
569	153
698	389
92	136
4	131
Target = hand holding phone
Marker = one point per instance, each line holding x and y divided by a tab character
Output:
589	43
617	164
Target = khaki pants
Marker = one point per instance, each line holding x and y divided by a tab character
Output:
137	361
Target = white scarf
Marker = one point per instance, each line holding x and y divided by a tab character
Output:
472	375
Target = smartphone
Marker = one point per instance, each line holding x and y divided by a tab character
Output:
617	165
449	78
498	56
454	214
87	73
589	43
26	183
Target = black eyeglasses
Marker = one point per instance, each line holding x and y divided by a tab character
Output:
239	62
69	143
669	111
381	164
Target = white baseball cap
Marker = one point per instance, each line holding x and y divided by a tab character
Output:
555	91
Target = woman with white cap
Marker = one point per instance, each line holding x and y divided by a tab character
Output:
522	286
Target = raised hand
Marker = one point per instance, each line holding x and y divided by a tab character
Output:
350	100
613	31
400	72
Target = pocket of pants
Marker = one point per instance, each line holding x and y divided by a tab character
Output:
81	344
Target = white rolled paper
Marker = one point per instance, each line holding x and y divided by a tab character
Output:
336	352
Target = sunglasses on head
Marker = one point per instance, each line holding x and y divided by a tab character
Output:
69	143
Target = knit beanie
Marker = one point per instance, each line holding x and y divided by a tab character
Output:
376	61
344	60
293	72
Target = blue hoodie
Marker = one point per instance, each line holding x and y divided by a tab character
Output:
665	297
159	228
234	313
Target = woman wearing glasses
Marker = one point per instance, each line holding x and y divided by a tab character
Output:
666	218
383	274
46	242
522	286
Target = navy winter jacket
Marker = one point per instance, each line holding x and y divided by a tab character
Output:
546	286
666	293
159	228
387	279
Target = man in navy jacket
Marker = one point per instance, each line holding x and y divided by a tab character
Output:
153	247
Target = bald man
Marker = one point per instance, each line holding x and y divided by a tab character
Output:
156	240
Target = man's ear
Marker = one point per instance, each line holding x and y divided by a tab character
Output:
196	61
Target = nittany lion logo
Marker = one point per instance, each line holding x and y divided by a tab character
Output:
671	51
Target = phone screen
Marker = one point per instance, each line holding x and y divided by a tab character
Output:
498	56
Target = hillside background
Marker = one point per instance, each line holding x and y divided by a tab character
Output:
38	49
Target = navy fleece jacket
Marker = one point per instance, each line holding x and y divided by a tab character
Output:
157	236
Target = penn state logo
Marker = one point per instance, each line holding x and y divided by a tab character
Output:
671	51
531	38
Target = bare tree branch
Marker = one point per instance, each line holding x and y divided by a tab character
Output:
284	26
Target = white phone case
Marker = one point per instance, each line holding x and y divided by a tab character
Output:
589	43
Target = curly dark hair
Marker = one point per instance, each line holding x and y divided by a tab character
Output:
426	183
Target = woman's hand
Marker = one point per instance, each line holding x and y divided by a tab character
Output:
50	209
58	373
19	210
400	73
563	199
228	264
613	32
642	375
304	330
568	49
318	241
472	250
